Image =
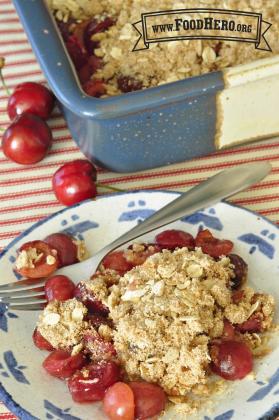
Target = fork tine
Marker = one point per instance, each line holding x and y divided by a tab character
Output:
24	300
21	285
24	293
30	307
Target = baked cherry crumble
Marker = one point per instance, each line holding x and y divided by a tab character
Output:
81	48
153	324
101	36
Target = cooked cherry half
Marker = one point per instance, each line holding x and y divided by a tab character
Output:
213	246
40	341
65	246
116	261
150	399
59	288
88	298
36	259
62	364
231	359
172	238
119	402
91	383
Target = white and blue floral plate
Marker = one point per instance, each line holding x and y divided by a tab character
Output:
32	394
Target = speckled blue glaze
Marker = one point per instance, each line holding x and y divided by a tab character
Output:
131	132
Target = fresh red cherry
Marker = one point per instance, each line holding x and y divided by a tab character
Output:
75	182
27	140
59	288
33	98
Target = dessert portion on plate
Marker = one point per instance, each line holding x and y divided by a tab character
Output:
163	323
100	38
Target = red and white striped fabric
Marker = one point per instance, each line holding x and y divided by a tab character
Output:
26	195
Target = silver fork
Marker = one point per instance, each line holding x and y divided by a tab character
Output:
29	294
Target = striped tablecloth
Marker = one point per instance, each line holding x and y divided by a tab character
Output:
26	195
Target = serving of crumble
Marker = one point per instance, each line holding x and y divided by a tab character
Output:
168	311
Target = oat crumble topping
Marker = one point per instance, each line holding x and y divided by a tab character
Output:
105	332
98	287
166	61
165	312
82	252
62	323
50	259
27	258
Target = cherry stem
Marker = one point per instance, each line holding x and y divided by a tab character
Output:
108	187
4	83
2	64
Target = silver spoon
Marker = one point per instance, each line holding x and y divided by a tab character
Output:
223	185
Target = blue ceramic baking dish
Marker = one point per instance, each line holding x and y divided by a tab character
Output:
156	126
